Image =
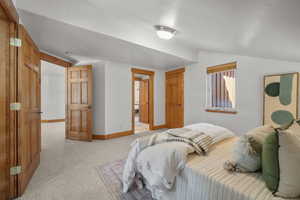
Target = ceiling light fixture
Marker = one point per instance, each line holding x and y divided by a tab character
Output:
164	32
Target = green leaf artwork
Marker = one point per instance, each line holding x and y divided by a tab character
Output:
282	117
280	98
285	91
272	89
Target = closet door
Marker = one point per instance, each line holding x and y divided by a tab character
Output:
29	117
144	101
79	103
175	98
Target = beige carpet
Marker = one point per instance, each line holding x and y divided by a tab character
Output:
67	169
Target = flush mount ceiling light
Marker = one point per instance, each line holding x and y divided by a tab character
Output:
164	32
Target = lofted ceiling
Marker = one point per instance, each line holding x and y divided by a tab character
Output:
263	28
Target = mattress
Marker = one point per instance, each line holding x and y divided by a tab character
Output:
204	178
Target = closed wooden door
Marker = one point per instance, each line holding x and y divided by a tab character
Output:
144	101
175	98
79	103
4	107
29	118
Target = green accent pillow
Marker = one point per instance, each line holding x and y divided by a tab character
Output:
270	161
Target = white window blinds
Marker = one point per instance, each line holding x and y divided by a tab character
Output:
221	87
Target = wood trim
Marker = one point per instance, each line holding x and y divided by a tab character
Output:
151	102
142	71
54	60
66	102
52	120
221	111
13	115
159	127
222	67
137	79
10	10
151	96
176	71
99	137
113	135
132	101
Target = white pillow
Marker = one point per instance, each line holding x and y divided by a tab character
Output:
289	162
218	133
244	156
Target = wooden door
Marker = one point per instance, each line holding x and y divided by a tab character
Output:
175	98
79	103
144	101
29	117
4	106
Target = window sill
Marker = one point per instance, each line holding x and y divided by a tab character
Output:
221	111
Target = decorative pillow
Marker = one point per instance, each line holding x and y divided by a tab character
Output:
289	163
270	161
295	127
258	135
280	163
245	159
244	155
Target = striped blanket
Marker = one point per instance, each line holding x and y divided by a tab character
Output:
163	156
198	140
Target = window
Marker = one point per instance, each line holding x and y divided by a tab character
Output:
221	81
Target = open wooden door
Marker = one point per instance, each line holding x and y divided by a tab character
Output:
175	98
144	101
79	103
5	115
29	117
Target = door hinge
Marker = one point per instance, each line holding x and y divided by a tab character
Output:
16	42
15	170
15	106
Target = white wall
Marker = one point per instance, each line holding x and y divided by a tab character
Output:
52	91
250	72
99	98
117	99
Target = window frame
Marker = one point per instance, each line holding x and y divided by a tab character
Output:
215	69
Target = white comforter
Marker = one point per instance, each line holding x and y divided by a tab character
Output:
161	163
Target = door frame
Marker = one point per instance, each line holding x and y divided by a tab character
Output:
151	74
176	71
60	63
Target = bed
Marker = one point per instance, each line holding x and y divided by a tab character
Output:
204	178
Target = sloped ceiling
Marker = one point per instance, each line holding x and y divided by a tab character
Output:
58	38
263	28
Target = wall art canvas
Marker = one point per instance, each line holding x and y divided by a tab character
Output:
280	99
